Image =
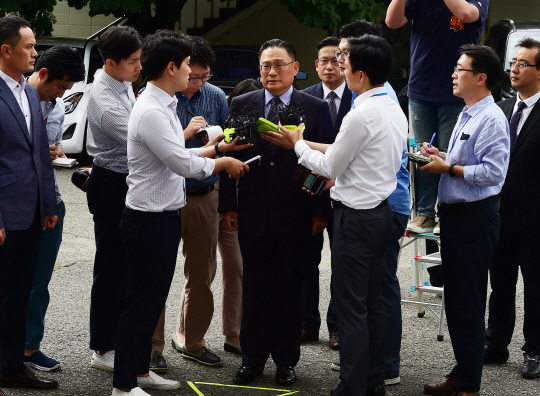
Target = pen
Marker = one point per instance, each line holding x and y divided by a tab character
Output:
431	142
191	114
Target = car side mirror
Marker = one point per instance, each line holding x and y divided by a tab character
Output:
301	75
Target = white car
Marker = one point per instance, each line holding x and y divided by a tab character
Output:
76	99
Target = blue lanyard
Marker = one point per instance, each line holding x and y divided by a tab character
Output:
381	94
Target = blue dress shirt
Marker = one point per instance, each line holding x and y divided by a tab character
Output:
480	142
210	103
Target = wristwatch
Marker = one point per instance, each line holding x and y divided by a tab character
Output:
451	170
216	147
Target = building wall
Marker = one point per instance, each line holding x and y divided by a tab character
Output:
76	23
518	10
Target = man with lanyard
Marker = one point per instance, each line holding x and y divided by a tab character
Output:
57	69
472	175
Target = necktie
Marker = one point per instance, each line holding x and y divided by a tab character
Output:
332	105
273	112
514	122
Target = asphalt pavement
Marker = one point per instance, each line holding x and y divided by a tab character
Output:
423	358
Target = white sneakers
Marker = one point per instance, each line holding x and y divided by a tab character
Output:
154	381
133	392
103	362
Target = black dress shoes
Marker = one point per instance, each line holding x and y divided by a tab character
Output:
285	375
531	366
27	380
494	355
376	391
247	374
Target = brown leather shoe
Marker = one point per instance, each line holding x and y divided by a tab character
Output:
27	380
308	336
444	389
458	393
334	340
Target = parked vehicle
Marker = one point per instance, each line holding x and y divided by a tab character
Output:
76	99
503	38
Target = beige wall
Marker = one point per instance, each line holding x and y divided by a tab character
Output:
275	21
76	23
518	10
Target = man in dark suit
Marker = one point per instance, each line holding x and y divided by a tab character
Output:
27	198
520	213
275	220
333	89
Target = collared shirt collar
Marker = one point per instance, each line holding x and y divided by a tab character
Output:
163	97
478	106
529	102
339	90
285	98
12	84
373	91
114	83
47	106
200	92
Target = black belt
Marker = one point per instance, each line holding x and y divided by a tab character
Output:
200	190
165	213
339	204
445	208
108	172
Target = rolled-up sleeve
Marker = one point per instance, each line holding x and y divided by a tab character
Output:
492	152
157	133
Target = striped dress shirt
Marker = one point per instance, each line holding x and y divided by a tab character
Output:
158	160
109	108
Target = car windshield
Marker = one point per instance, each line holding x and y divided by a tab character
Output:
513	40
236	65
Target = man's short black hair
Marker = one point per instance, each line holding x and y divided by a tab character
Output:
530	43
359	28
484	60
279	44
119	42
162	47
10	29
202	53
62	61
327	42
372	55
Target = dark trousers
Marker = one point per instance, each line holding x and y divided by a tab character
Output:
312	317
106	194
468	242
18	257
392	297
360	241
273	298
516	249
151	241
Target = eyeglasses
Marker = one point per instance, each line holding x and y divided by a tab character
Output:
457	70
324	62
344	54
203	79
520	65
278	67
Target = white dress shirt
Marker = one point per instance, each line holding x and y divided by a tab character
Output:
366	155
529	104
18	91
339	92
158	161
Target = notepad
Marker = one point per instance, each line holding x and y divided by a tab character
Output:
64	163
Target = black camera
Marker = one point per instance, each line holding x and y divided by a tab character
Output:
242	126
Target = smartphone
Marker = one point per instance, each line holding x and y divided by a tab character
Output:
418	158
305	178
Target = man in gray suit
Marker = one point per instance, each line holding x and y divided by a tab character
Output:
27	198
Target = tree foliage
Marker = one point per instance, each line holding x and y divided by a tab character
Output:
328	14
37	12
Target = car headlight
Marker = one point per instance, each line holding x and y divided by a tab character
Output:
72	101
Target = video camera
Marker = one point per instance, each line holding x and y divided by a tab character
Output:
289	116
243	126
